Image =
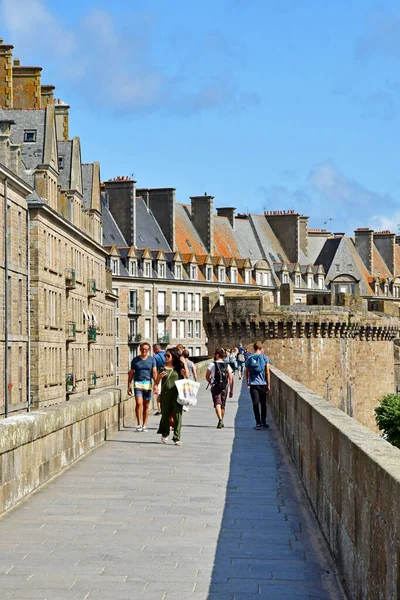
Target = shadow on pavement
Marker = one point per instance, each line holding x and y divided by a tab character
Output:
264	550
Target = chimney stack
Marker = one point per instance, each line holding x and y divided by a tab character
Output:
62	120
5	144
385	242
203	219
6	76
291	230
228	212
161	202
364	241
26	86
122	204
47	95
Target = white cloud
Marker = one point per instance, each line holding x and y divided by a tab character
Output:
115	67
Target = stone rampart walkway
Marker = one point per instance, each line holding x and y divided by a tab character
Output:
221	518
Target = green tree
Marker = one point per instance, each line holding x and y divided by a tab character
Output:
387	417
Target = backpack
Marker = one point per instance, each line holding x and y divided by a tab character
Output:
220	376
241	357
256	364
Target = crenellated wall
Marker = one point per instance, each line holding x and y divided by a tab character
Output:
344	356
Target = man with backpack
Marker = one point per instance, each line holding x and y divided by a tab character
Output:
219	376
258	381
241	359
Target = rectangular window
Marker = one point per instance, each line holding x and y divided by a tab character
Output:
174	301
233	275
190	328
182	301
209	274
161	302
147	329
221	274
193	273
132	299
182	329
198	329
133	326
198	351
178	271
190	302
147	269
147	300
60	163
174	329
161	270
133	268
247	276
221	300
161	327
197	303
30	135
114	266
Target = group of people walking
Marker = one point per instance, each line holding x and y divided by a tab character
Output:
160	372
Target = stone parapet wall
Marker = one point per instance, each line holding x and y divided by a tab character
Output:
352	479
344	356
35	447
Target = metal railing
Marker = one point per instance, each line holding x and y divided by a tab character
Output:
164	338
134	338
91	287
70	278
71	331
92	334
163	309
134	308
92	380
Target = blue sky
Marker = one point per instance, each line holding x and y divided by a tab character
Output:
265	104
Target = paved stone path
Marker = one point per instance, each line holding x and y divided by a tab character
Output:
219	519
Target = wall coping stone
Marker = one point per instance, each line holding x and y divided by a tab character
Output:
16	431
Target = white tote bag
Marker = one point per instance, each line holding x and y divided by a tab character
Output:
187	391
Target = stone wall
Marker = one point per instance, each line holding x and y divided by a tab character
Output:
352	479
35	447
345	356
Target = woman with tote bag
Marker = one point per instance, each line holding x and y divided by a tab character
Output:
173	370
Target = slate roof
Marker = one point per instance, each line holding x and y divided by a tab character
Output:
32	152
327	254
111	232
315	243
87	184
225	241
271	248
247	243
148	231
65	151
380	268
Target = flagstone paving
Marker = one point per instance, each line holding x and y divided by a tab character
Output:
223	517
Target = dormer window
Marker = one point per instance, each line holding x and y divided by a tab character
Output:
178	271
297	281
258	278
285	278
321	282
147	269
209	274
233	275
60	163
115	266
386	289
247	276
161	270
133	268
30	135
221	274
193	272
310	281
267	279
376	289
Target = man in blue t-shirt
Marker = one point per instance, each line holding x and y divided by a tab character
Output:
143	371
258	381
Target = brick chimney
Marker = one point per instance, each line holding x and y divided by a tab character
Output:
228	212
26	86
385	242
203	219
61	110
47	95
6	77
364	241
121	194
161	202
291	230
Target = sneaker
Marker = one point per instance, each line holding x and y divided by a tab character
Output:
144	428
164	440
178	443
139	428
257	427
265	426
220	424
